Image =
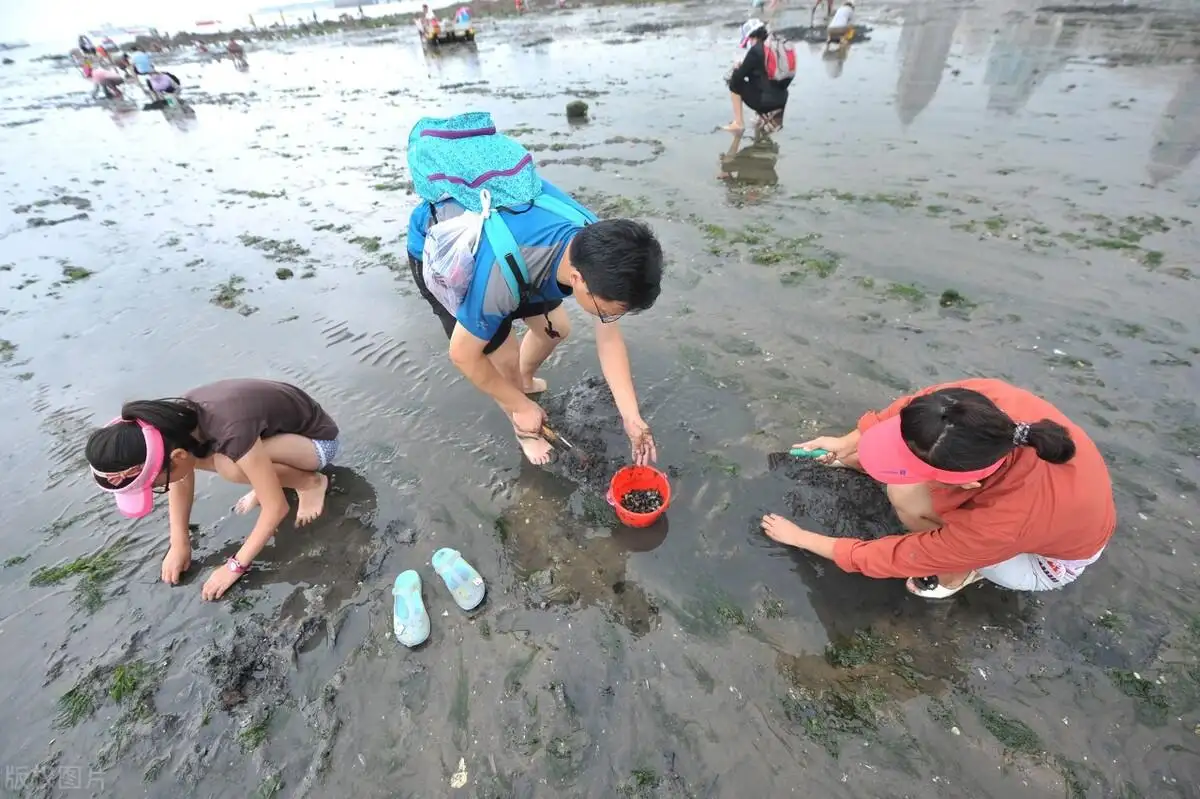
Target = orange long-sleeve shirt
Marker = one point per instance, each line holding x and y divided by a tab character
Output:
1029	506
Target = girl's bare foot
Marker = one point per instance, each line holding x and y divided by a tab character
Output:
312	500
535	385
246	503
536	448
733	127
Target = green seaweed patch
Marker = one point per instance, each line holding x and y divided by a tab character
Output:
274	249
270	787
94	571
772	608
1152	705
76	705
608	206
1015	735
716	462
130	685
128	679
908	292
254	194
394	185
329	226
8	350
642	783
1152	259
712	613
853	708
241	602
255	733
1113	244
229	293
943	713
368	243
73	273
283	273
896	200
15	560
860	648
1111	621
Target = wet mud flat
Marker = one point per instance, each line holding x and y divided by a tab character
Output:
1001	228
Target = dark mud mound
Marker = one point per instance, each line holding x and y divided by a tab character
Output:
253	665
838	502
584	414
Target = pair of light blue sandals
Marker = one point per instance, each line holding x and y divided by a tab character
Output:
410	620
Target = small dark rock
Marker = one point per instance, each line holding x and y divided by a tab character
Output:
7	61
642	501
577	109
283	273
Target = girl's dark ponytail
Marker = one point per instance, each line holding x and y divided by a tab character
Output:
1050	440
175	418
960	430
120	446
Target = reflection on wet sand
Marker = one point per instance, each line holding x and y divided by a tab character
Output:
1177	135
1023	56
924	48
746	168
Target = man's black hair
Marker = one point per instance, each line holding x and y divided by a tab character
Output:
621	261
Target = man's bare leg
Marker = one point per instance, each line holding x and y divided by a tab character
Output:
536	346
507	360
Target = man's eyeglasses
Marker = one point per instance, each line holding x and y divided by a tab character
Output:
605	318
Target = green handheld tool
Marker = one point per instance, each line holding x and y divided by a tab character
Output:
808	453
774	459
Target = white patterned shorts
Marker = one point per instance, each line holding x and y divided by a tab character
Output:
327	451
1036	573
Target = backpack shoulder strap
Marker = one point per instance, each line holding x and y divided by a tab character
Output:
564	210
505	248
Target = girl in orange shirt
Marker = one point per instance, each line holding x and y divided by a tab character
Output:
992	482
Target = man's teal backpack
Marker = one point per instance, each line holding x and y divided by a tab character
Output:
461	157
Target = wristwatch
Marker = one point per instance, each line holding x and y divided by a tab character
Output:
235	566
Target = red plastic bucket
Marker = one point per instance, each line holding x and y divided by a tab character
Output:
638	478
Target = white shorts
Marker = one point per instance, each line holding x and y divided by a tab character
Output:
1036	573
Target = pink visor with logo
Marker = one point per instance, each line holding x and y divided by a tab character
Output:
885	455
135	498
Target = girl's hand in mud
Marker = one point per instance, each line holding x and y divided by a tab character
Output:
843	449
218	583
175	563
641	441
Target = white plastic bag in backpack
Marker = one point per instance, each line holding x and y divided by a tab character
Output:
448	258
